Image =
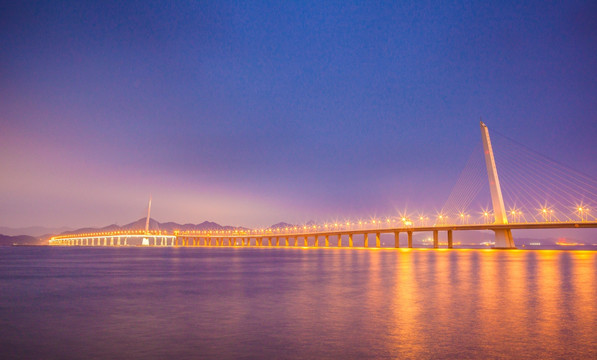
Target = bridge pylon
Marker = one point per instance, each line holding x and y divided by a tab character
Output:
503	237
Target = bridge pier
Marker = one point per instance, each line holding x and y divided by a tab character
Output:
450	242
377	240
286	240
435	239
327	240
396	239
365	240
410	239
350	242
306	239
339	240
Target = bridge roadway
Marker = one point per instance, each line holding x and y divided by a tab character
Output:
272	237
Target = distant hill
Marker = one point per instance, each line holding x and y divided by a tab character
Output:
281	225
43	234
6	240
153	225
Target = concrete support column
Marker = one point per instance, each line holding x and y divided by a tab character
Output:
316	242
327	241
339	240
410	239
296	241
366	240
306	238
450	242
286	240
277	241
396	239
350	242
435	239
377	240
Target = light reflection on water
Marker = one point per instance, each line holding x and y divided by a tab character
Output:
296	303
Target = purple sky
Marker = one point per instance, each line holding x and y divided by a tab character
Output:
250	113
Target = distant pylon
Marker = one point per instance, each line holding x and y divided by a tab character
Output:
148	214
503	237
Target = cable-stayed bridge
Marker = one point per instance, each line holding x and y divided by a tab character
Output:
540	193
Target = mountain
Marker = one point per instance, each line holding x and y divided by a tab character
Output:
153	225
6	240
281	225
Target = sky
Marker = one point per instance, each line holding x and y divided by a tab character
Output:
249	113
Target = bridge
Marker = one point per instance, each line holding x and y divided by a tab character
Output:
561	214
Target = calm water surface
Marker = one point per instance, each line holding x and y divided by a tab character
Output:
218	303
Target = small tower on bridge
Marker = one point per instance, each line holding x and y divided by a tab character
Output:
503	237
145	241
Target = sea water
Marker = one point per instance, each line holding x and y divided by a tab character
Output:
295	303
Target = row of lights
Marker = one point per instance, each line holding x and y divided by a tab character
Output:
441	219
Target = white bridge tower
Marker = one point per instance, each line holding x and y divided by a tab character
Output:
145	241
503	237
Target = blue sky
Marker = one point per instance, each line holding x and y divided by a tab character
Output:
250	113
